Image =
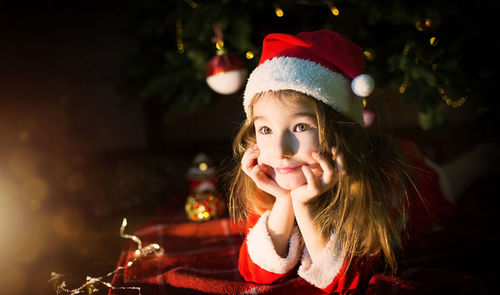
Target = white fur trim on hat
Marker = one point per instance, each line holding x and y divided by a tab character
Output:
262	252
322	272
308	77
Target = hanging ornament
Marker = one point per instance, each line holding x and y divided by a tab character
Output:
203	202
368	117
225	72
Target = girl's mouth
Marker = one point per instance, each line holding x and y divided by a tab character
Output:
288	169
291	169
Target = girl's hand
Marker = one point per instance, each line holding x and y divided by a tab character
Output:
318	184
260	173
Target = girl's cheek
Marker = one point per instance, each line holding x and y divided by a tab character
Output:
263	157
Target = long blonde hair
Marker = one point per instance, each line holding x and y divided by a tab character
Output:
366	209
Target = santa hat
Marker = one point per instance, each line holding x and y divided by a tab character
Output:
322	64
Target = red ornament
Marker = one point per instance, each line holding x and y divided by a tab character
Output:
368	117
226	73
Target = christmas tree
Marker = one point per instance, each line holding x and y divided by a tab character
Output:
437	54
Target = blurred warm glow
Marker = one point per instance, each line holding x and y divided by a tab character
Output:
35	191
8	207
8	191
24	135
83	250
26	248
76	181
23	162
12	280
13	238
68	222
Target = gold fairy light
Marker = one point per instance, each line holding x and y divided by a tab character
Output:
278	11
406	49
404	85
433	41
333	9
423	25
90	286
126	236
219	45
369	55
249	55
402	88
191	3
418	25
178	33
449	101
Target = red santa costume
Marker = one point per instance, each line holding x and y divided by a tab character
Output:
322	64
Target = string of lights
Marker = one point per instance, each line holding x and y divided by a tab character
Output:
90	286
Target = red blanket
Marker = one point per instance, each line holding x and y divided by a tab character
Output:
202	258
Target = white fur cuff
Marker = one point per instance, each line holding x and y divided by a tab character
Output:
262	252
322	272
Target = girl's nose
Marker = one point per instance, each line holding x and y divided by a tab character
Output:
287	145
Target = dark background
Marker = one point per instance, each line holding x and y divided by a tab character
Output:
79	150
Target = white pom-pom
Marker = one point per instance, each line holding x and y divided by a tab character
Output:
363	85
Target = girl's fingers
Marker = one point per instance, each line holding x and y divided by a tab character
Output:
260	174
328	170
338	160
248	161
312	181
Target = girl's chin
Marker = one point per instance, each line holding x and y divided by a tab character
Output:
289	182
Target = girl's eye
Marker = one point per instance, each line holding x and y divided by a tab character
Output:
301	127
265	130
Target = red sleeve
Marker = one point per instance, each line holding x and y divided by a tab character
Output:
427	204
250	271
356	276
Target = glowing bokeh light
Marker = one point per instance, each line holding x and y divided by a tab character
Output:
203	166
335	11
279	12
24	135
219	45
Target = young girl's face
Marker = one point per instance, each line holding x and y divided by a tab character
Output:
287	135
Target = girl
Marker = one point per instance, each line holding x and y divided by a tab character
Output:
319	193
